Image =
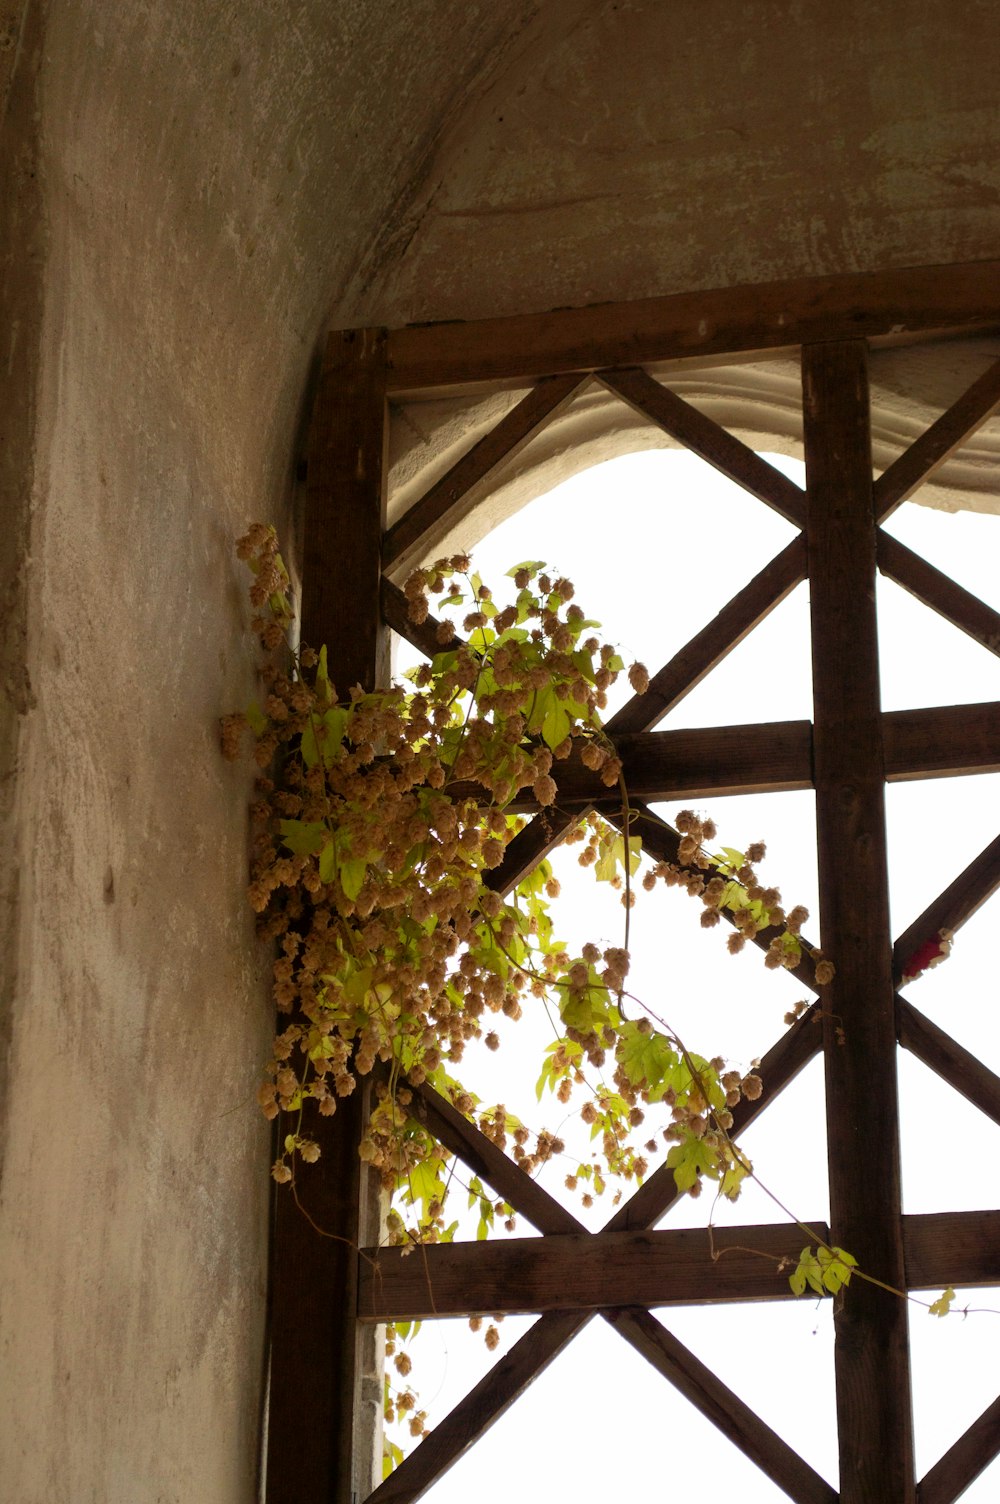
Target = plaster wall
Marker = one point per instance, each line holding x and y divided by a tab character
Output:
191	194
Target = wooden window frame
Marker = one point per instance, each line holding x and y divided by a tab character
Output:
325	1300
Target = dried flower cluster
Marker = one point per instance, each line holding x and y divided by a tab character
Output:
380	825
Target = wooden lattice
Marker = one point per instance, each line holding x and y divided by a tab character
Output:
323	1292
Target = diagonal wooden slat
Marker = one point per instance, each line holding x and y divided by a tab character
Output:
472	1417
951	1061
918	463
486	1159
714	642
422	635
531	845
707	439
952	908
455	493
668	687
721	1406
778	1069
949	599
961	1465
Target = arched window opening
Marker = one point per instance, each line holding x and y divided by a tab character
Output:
838	754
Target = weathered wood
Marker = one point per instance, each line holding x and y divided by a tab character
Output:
778	1068
953	1063
952	1248
583	1272
887	307
639	1267
667	688
453	496
317	1348
481	1155
688	763
661	841
722	1407
918	463
422	635
871	1352
962	1463
484	1404
707	439
951	600
531	845
714	642
315	1342
341	554
943	741
952	908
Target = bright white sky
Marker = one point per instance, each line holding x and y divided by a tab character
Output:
656	543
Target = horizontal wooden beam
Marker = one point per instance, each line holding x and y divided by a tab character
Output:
677	1266
689	763
581	1272
451	498
708	440
952	1248
887	307
947	740
771	757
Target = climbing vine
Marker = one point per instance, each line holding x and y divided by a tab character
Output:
380	827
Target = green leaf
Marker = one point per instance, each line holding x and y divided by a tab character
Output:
324	689
256	719
352	876
534	565
302	837
646	1058
392	1456
687	1158
732	1180
327	862
334	727
943	1304
308	748
556	724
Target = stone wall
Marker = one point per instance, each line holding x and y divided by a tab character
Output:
191	194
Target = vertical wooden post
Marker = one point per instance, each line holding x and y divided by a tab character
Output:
872	1357
321	1360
